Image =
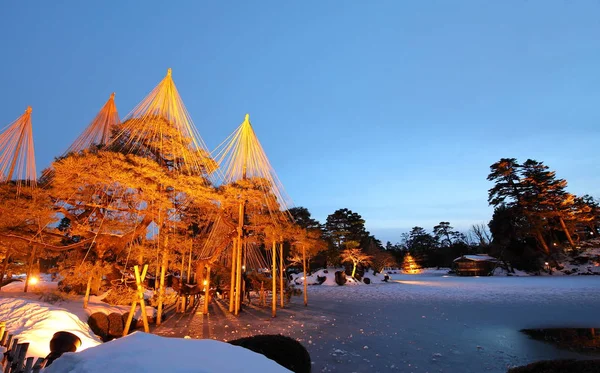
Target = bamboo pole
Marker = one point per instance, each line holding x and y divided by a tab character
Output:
238	285
305	275
233	268
190	262
238	275
86	299
274	280
182	267
281	269
161	290
207	291
180	304
139	297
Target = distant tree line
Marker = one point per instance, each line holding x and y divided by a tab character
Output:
535	219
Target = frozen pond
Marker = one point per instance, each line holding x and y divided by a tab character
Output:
420	323
440	323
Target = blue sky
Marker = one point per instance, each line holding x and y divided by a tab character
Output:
394	109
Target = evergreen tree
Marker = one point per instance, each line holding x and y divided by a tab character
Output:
421	245
544	196
445	234
343	226
508	191
303	218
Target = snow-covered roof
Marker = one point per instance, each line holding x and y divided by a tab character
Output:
477	258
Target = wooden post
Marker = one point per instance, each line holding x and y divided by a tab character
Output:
29	268
233	268
139	279
274	280
238	285
190	262
207	291
86	299
161	290
139	297
182	267
238	277
305	275
2	330
281	270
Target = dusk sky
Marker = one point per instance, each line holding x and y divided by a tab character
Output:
393	109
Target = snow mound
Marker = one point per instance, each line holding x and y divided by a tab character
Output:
141	352
329	274
36	323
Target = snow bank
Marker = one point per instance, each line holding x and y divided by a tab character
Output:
140	352
36	323
329	274
44	284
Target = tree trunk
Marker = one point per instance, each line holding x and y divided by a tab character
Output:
541	240
189	272
566	230
305	276
353	269
4	268
274	280
29	268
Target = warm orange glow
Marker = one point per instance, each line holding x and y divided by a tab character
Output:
205	283
242	156
164	102
409	265
17	156
98	132
33	280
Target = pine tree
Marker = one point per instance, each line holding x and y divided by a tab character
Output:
508	191
545	196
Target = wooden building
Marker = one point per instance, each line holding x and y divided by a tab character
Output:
475	265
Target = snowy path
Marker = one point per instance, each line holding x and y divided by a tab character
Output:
418	323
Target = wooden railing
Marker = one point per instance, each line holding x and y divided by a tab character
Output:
14	359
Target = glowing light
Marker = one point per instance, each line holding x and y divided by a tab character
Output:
409	265
243	268
205	282
33	281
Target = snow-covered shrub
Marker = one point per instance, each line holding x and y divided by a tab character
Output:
340	278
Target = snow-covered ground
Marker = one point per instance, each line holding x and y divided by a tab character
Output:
36	323
140	352
430	322
440	323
